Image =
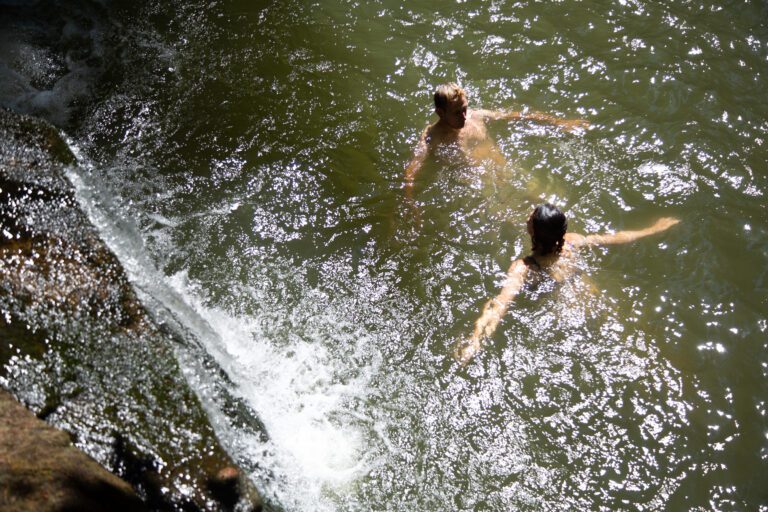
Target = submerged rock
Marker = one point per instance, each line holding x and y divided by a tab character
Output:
81	351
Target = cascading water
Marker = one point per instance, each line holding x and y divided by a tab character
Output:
304	390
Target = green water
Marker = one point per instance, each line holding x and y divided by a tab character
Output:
260	148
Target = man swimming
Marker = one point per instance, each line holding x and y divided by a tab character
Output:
466	128
553	253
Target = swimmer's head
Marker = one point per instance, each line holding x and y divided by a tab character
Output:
451	105
448	93
547	226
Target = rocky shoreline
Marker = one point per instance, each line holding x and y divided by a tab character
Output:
80	351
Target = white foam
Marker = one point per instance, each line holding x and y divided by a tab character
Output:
295	388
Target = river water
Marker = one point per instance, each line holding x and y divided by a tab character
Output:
245	161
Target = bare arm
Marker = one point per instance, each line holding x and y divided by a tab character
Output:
417	160
493	312
566	124
623	237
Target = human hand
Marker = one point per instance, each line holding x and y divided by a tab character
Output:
412	211
465	350
573	125
665	223
412	216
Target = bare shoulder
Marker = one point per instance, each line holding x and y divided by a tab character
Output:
519	265
518	269
426	133
433	134
575	239
429	136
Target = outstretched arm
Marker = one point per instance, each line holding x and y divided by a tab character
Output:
417	160
566	124
623	237
493	312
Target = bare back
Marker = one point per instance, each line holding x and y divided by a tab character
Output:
562	266
473	139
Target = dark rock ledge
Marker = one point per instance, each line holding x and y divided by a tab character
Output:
41	470
80	351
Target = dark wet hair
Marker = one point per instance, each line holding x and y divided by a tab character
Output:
549	226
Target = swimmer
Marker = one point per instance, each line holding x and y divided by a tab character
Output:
459	125
553	252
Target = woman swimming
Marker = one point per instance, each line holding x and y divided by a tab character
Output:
553	252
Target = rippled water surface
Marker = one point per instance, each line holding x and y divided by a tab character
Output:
249	158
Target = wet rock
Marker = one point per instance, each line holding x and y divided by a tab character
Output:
80	350
225	486
41	471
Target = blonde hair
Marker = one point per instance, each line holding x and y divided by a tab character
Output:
448	93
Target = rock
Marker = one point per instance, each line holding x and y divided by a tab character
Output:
41	471
225	486
80	350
